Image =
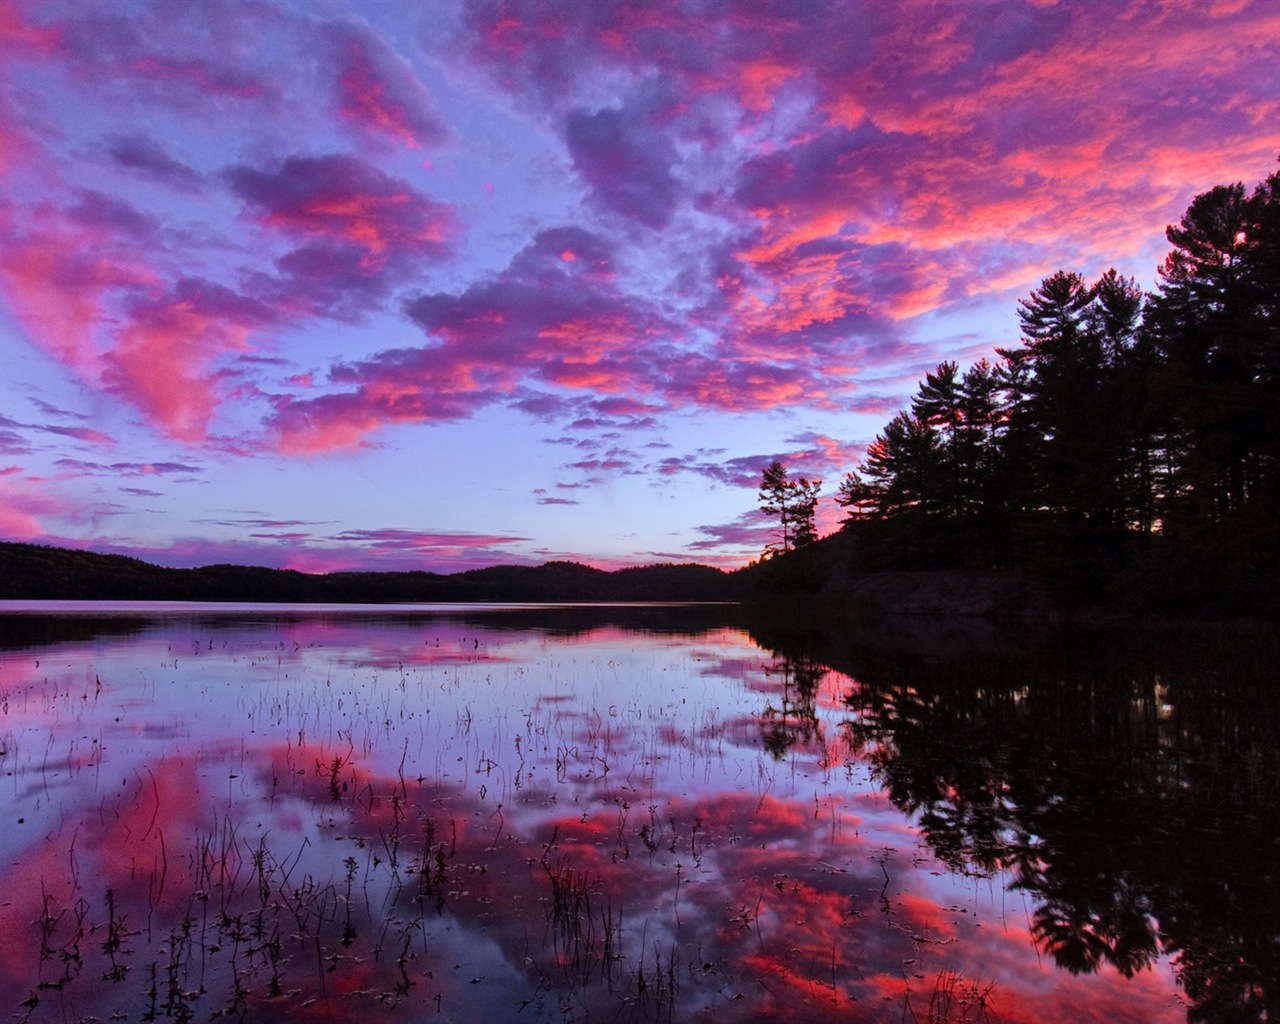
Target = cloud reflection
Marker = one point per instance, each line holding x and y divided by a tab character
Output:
424	815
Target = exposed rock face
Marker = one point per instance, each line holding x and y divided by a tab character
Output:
992	595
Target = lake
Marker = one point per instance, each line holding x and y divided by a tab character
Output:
484	813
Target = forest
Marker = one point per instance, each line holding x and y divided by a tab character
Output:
1126	437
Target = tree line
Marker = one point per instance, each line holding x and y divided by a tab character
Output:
1119	413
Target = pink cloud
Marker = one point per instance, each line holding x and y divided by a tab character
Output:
19	37
28	508
1028	140
331	422
545	50
57	278
80	285
760	80
820	454
999	132
379	92
17	520
163	362
739	385
343	198
545	319
566	323
797	286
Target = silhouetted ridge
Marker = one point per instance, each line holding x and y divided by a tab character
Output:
36	572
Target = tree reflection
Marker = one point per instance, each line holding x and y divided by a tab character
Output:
795	719
1130	786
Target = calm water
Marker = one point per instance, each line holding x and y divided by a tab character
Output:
521	814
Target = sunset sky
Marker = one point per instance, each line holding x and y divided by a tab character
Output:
436	285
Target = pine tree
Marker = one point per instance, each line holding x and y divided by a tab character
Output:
855	496
902	466
803	511
938	403
1204	322
775	492
793	502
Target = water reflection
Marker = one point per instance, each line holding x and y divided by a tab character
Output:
324	815
1129	785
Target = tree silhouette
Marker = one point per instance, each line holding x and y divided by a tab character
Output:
793	502
855	495
902	466
1214	329
1116	418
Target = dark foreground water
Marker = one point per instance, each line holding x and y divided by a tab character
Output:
616	814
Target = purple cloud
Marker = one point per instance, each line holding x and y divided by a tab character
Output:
110	215
815	456
139	152
555	317
128	468
378	91
627	166
342	198
262	523
752	530
15	443
398	540
182	63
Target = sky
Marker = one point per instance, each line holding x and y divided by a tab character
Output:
379	285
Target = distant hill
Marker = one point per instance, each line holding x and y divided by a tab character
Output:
37	572
836	575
